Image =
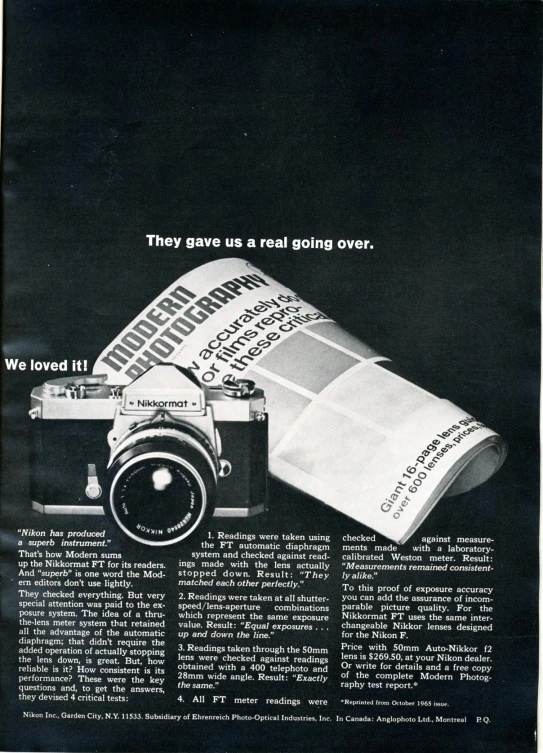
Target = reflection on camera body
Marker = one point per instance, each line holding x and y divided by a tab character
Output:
176	453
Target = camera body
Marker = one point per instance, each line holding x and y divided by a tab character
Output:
159	455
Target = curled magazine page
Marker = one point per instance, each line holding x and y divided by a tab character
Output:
406	447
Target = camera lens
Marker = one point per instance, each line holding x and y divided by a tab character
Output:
163	484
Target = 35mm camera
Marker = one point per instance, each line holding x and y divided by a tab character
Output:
159	455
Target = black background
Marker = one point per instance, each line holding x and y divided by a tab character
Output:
415	125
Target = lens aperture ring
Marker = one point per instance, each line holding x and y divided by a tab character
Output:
178	432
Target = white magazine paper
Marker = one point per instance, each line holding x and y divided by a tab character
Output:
343	427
